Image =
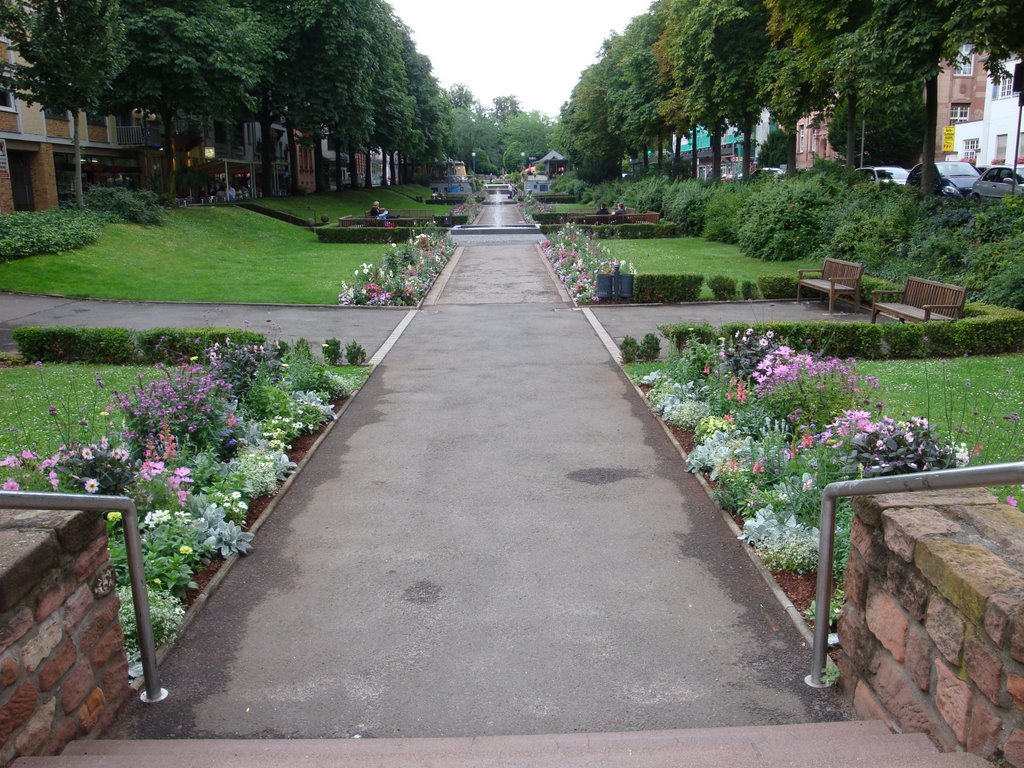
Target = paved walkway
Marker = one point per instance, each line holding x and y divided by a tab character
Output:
496	538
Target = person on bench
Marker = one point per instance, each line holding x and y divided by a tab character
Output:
603	210
376	212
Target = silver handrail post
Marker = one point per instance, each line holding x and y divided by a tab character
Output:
136	572
941	480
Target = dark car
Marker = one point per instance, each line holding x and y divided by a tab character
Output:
952	179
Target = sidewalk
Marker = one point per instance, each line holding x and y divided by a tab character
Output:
497	538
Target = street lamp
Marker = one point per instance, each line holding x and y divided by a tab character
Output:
474	163
522	160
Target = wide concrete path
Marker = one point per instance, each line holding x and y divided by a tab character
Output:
496	538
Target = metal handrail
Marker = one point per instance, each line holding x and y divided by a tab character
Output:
941	480
136	573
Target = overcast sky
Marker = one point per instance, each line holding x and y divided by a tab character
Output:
531	49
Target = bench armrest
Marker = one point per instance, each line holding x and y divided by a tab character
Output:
875	295
801	272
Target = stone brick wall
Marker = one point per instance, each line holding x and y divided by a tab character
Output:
62	663
932	631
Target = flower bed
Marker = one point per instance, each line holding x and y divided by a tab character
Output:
403	275
194	448
771	427
578	260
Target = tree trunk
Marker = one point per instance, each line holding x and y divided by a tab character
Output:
851	129
384	178
748	143
77	133
716	153
643	151
931	119
267	153
167	159
791	152
394	168
320	167
293	160
661	152
338	175
353	169
694	156
368	183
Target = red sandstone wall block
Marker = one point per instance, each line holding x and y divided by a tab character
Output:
856	581
78	685
953	700
966	574
51	599
91	559
984	730
946	629
984	669
37	730
1013	749
53	670
17	711
912	710
10	671
904	527
920	652
1015	687
907	586
888	623
16	628
999	613
48	637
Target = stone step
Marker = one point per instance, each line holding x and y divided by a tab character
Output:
823	745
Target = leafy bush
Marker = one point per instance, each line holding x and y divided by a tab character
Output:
648	193
27	233
783	222
65	344
365	234
725	211
354	353
125	205
1006	287
749	290
332	351
687	334
653	289
686	204
873	225
176	345
650	348
723	287
165	612
630	349
777	286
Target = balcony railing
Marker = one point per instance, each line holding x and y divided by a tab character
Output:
132	135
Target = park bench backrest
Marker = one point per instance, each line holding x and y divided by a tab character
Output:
919	292
845	270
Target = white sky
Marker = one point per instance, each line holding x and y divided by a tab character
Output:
532	49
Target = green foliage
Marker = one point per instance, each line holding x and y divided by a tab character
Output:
67	344
630	350
1006	286
777	286
27	233
655	289
749	289
354	353
176	345
650	348
723	287
783	222
332	351
124	205
684	335
648	194
772	151
365	234
165	612
686	204
725	211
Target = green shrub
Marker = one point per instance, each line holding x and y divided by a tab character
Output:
777	286
873	225
647	193
783	222
354	353
630	350
176	345
686	204
366	234
1006	287
332	351
723	287
27	233
748	290
843	340
650	348
725	210
656	289
682	334
125	205
58	344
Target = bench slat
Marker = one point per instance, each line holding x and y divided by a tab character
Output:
918	301
838	279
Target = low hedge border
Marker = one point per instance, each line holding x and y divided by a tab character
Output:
383	235
666	289
621	231
984	330
120	346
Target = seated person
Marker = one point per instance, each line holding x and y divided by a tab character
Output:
602	210
619	213
376	212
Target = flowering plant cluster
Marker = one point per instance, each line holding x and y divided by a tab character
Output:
195	447
578	260
403	275
773	426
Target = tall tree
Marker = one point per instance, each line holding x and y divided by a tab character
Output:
505	108
70	53
432	119
584	131
197	57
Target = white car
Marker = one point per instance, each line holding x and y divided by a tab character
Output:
997	181
891	174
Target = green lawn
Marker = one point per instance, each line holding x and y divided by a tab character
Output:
215	254
29	391
353	202
697	255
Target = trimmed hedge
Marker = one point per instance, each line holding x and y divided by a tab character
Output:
777	286
382	235
984	330
666	289
120	346
27	233
621	231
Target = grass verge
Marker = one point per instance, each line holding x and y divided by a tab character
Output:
352	202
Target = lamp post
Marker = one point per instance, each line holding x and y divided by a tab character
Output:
474	163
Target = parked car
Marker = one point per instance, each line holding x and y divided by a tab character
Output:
891	174
952	179
766	173
997	181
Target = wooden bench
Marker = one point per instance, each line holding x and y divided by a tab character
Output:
835	278
920	301
630	217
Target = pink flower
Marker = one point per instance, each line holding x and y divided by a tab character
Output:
53	479
1011	501
11	485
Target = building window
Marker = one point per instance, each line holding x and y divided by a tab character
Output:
1000	156
6	100
802	147
959	113
1005	86
965	61
970	150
